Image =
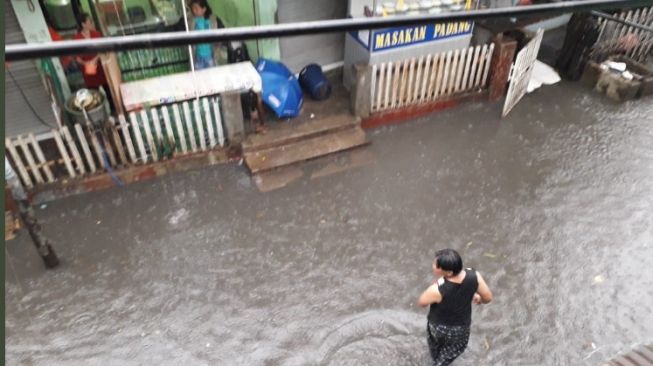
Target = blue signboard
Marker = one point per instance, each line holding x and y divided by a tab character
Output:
391	38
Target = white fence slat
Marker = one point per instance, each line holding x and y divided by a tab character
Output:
459	71
481	66
73	148
64	153
434	72
417	85
403	82
128	139
108	148
373	88
169	134
139	137
41	157
438	79
218	120
148	136
87	151
119	146
411	82
180	128
200	125
425	77
396	81
388	85
380	86
447	69
30	160
189	126
474	67
158	139
98	151
488	62
454	72
468	62
209	122
27	181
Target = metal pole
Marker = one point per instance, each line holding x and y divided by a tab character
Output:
42	244
622	21
35	50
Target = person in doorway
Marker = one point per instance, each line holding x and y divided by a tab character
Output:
92	70
450	298
203	19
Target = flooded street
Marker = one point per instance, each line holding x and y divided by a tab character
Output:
554	205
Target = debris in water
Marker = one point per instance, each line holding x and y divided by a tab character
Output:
490	255
260	215
486	344
598	279
98	222
312	115
468	244
593	345
44	206
208	345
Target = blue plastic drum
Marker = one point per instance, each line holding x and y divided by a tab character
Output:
312	79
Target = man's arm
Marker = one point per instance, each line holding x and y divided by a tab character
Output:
483	290
430	296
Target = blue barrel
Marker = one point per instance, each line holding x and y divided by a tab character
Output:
312	79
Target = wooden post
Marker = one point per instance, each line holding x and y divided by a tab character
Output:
504	54
233	117
361	96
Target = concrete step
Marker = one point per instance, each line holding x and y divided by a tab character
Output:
325	143
297	130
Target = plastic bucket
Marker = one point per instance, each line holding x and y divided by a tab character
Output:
312	79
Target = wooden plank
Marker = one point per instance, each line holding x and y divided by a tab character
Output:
488	62
30	160
180	128
447	71
199	124
41	157
18	162
73	148
388	85
481	66
379	87
109	150
189	126
148	135
85	149
139	137
434	71
64	153
218	120
425	78
411	82
438	79
209	122
128	140
304	150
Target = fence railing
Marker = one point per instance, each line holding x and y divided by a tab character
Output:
141	137
630	41
430	78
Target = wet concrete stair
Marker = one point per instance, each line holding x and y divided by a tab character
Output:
298	140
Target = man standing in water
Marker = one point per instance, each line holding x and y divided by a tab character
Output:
450	298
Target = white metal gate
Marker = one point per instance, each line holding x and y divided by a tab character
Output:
521	72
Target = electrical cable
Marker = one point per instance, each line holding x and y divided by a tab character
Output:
31	107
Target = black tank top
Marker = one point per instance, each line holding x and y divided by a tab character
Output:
456	305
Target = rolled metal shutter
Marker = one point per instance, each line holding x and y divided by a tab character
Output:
323	49
19	117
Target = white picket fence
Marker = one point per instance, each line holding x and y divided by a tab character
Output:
430	78
139	138
633	42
